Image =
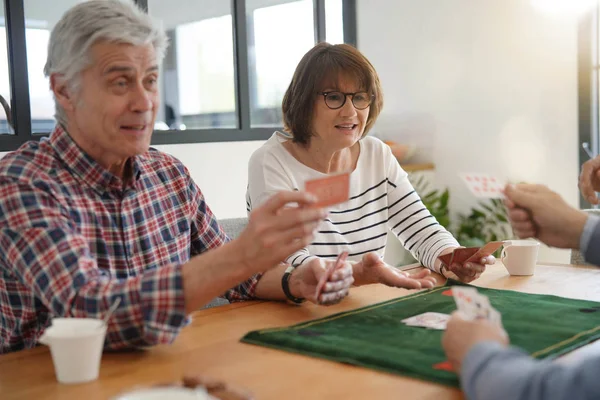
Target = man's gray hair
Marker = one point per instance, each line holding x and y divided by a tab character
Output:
117	21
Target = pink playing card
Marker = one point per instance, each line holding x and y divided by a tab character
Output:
327	275
333	189
463	254
485	251
483	185
459	255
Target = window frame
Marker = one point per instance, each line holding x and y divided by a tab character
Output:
588	75
19	82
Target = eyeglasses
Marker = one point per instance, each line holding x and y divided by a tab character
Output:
335	100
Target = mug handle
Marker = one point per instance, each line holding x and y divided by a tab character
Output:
503	254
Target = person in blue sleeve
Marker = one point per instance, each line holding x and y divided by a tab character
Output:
489	368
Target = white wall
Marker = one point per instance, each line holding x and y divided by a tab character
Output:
221	172
481	86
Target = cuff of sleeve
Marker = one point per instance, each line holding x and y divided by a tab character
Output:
163	304
474	362
303	260
477	356
449	245
591	230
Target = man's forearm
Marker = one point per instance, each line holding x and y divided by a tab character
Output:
211	274
269	286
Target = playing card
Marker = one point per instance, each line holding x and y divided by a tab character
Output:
339	262
464	299
474	305
446	259
458	255
485	251
333	189
462	254
431	320
483	185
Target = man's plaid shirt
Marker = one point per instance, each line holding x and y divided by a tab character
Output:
73	238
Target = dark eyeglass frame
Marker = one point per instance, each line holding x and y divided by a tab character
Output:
325	94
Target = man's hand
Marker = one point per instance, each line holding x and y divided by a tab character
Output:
372	269
275	231
536	211
304	280
468	272
589	180
461	335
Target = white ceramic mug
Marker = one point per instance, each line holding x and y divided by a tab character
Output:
520	256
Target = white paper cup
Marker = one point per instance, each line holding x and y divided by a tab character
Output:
520	256
76	346
167	392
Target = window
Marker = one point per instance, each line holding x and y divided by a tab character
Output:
38	24
223	76
334	21
278	37
198	90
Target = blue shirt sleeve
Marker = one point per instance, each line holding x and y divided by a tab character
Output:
589	243
491	371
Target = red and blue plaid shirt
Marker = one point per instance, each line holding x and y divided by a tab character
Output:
74	237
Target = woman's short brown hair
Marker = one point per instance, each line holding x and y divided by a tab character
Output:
322	67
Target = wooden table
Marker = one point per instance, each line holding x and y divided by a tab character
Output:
211	346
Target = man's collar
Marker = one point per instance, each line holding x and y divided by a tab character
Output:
86	168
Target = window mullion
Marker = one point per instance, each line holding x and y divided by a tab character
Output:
17	60
350	25
143	4
320	24
240	55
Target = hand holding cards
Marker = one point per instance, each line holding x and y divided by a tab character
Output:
474	305
332	189
464	255
329	272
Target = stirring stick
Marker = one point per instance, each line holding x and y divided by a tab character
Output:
111	310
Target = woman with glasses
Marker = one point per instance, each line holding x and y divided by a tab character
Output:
333	100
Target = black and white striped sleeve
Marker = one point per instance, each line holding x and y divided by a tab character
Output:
409	219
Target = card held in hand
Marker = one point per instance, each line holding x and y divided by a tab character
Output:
329	272
463	255
474	305
484	186
331	190
485	251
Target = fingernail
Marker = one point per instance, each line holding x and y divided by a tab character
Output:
469	265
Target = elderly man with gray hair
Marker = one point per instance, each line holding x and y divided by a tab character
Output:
93	214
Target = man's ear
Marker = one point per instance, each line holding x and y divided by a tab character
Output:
62	92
